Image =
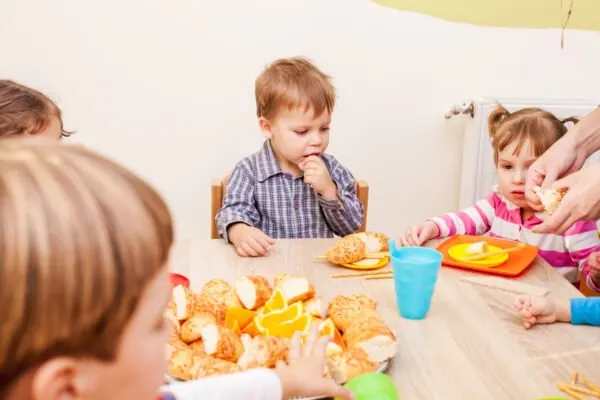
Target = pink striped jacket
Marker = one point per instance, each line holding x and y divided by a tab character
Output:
498	217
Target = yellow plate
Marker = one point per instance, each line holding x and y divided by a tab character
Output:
382	263
460	250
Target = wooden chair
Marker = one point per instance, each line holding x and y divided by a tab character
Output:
219	186
585	289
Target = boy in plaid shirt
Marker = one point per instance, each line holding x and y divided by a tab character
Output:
290	188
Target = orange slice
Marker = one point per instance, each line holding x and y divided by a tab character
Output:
236	328
277	317
287	329
252	329
327	327
275	303
240	315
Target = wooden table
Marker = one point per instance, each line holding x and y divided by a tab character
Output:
470	347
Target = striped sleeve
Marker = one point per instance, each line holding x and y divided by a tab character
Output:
582	241
474	220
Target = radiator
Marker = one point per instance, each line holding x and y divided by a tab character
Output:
478	170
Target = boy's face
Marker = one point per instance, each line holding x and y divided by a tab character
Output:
296	134
138	370
512	170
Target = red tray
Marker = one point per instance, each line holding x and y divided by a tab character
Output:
517	263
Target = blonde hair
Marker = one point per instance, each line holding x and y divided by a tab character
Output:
293	83
538	126
80	239
24	110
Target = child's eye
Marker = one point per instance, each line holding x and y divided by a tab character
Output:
325	129
300	132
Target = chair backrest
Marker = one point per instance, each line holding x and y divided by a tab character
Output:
584	288
219	186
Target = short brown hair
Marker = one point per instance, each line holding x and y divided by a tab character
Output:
80	239
293	82
540	127
24	110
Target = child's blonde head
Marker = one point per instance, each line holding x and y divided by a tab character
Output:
80	239
293	83
539	127
26	111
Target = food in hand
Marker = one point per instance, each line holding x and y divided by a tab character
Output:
550	198
477	248
253	291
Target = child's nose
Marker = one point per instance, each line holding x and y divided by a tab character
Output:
519	177
315	140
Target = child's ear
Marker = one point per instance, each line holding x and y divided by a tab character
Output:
57	379
265	127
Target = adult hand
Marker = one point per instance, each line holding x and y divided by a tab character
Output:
560	160
581	202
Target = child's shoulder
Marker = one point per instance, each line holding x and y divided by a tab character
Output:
251	163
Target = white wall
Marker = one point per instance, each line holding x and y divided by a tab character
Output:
166	87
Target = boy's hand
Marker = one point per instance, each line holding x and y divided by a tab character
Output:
317	176
419	234
594	263
249	241
541	310
307	364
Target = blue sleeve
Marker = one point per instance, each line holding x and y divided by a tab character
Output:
585	311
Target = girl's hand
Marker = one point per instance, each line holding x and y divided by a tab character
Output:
419	234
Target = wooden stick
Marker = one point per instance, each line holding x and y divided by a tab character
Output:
380	276
520	246
581	390
360	273
574	378
589	384
566	389
369	256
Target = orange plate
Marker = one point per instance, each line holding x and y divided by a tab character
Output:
517	262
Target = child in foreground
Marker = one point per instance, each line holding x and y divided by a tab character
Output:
518	139
542	310
83	285
28	112
290	188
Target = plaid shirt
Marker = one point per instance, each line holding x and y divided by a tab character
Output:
261	195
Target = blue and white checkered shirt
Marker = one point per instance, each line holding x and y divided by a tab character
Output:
261	195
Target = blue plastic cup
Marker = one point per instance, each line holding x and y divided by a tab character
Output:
416	270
